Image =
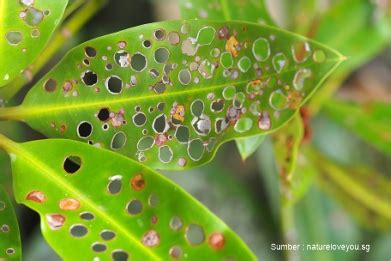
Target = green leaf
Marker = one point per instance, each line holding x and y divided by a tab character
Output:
183	104
10	245
26	27
94	202
361	190
226	10
247	146
371	121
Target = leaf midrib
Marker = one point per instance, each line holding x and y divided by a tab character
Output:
26	112
59	182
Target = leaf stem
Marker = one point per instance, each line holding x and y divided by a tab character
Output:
68	29
6	144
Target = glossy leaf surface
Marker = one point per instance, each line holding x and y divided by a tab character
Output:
10	245
101	204
226	10
26	27
174	91
247	146
371	122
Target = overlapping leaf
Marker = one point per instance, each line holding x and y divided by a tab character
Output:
26	26
104	205
226	10
247	146
10	245
168	94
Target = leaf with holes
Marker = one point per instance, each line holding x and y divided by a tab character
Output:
10	245
226	10
169	94
371	122
96	203
26	26
247	146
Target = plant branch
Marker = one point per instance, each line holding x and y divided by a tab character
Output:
67	30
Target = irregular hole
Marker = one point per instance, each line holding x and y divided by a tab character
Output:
50	85
122	58
182	134
139	119
197	108
104	114
196	149
160	124
89	78
195	234
78	230
90	52
161	55
72	164
134	207
151	238
217	106
301	50
119	255
165	154
138	62
14	37
202	125
84	129
118	141
87	216
176	223
33	16
114	84
115	184
107	235
98	247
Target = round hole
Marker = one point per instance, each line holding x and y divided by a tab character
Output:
78	230
50	85
90	52
134	207
195	234
138	62
84	129
107	235
87	216
118	141
115	184
72	164
104	114
99	247
114	84
162	55
89	78
120	255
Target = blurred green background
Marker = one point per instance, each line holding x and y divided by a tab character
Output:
246	195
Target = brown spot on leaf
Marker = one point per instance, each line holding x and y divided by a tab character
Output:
36	196
138	182
216	240
69	204
55	221
151	238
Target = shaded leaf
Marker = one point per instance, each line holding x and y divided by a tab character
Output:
371	121
361	190
99	203
26	26
244	10
10	245
183	103
247	146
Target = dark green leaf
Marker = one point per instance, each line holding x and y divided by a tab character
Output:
26	26
96	203
10	245
194	90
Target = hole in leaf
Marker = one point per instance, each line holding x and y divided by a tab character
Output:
196	149
161	55
145	143
89	78
87	216
14	38
176	223
173	38
165	154
90	52
119	255
195	234
138	62
104	114
72	164
175	252
115	184
118	141
134	207
184	76
107	235
151	238
160	124
114	84
84	129
147	43
50	85
98	247
182	134
159	34
5	228
217	106
78	230
197	108
139	119
153	200
33	16
10	251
